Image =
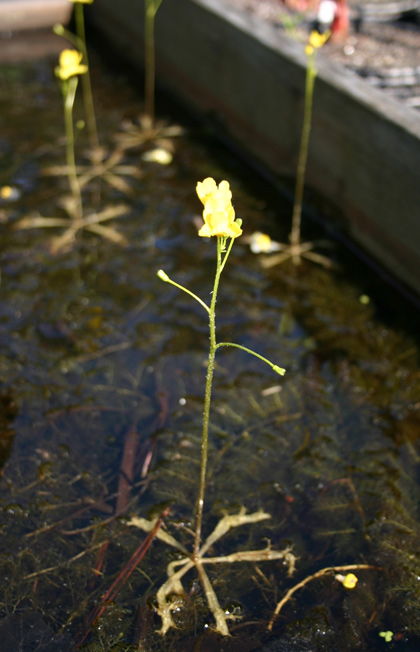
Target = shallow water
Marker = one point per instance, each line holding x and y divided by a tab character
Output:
98	355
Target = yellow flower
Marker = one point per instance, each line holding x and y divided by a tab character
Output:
70	64
316	41
158	155
6	192
350	581
261	243
9	193
207	188
86	2
218	213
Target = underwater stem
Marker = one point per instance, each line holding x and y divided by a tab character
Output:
69	96
303	153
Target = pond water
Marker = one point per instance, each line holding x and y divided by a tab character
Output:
102	385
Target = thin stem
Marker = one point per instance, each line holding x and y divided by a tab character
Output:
232	240
87	86
303	151
164	277
69	96
274	367
151	7
207	403
60	30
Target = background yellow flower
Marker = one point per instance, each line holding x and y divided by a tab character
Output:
350	581
316	41
70	64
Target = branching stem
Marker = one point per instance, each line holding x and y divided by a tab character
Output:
274	367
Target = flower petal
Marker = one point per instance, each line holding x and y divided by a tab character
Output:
206	188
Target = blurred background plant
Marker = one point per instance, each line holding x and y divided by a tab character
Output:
78	40
68	71
296	249
146	130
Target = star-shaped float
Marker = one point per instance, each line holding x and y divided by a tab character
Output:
177	569
261	243
104	166
92	222
147	131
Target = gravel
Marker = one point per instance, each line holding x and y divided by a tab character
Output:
383	45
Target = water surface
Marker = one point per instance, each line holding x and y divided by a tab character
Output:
95	350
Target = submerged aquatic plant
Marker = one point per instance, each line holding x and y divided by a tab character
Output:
220	222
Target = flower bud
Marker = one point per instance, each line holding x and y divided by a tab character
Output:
163	276
279	370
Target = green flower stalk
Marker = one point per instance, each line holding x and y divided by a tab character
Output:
86	81
79	41
295	250
71	65
150	8
219	221
316	41
67	71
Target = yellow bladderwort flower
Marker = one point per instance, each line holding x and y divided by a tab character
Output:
6	192
261	243
218	213
349	581
316	41
207	188
219	219
70	64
